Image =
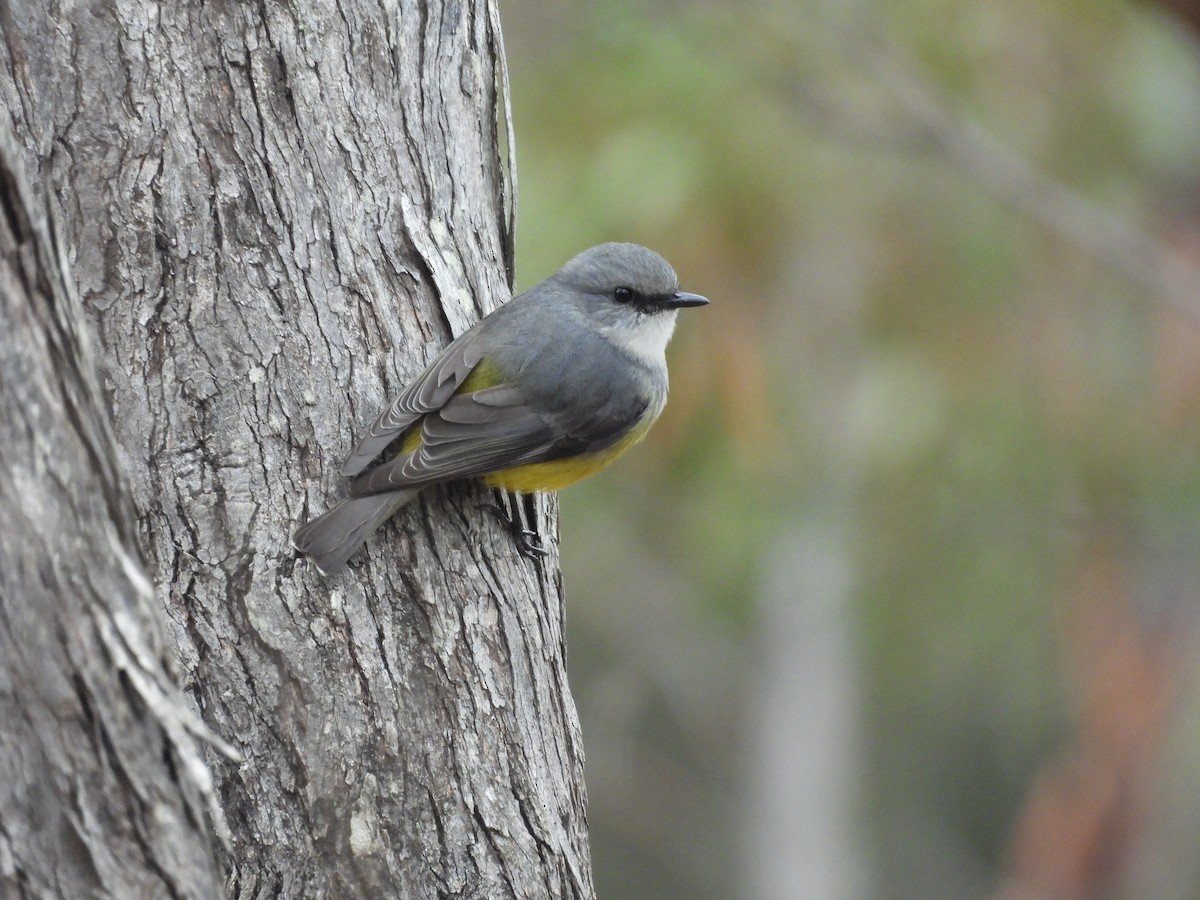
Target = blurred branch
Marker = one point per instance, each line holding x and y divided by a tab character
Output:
933	127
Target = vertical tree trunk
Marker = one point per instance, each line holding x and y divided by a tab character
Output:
102	789
277	213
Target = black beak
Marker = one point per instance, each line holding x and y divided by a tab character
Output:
681	298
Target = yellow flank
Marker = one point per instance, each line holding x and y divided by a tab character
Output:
412	440
484	375
560	473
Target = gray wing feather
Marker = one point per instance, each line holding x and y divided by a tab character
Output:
473	434
431	389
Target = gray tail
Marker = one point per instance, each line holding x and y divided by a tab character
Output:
333	537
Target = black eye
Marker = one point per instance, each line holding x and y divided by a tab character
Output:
623	294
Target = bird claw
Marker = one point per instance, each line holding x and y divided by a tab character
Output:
527	541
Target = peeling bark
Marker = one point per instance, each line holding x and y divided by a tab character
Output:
276	214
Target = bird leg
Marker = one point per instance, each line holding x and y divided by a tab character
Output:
528	543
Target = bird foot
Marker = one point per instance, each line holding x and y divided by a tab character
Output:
528	543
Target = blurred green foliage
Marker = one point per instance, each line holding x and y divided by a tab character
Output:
898	342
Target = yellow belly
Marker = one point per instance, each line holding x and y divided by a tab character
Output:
560	473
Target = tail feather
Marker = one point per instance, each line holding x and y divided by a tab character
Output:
334	536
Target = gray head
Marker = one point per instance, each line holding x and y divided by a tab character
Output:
630	293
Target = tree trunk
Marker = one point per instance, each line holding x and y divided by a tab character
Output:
102	789
277	214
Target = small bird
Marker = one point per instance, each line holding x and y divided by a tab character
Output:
547	389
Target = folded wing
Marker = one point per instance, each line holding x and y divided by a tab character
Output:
472	434
430	391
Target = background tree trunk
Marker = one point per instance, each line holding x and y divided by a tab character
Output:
276	214
102	790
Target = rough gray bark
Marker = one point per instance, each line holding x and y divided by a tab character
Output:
102	789
276	214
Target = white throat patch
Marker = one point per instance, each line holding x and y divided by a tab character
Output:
646	341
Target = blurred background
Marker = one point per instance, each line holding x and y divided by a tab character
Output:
900	597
